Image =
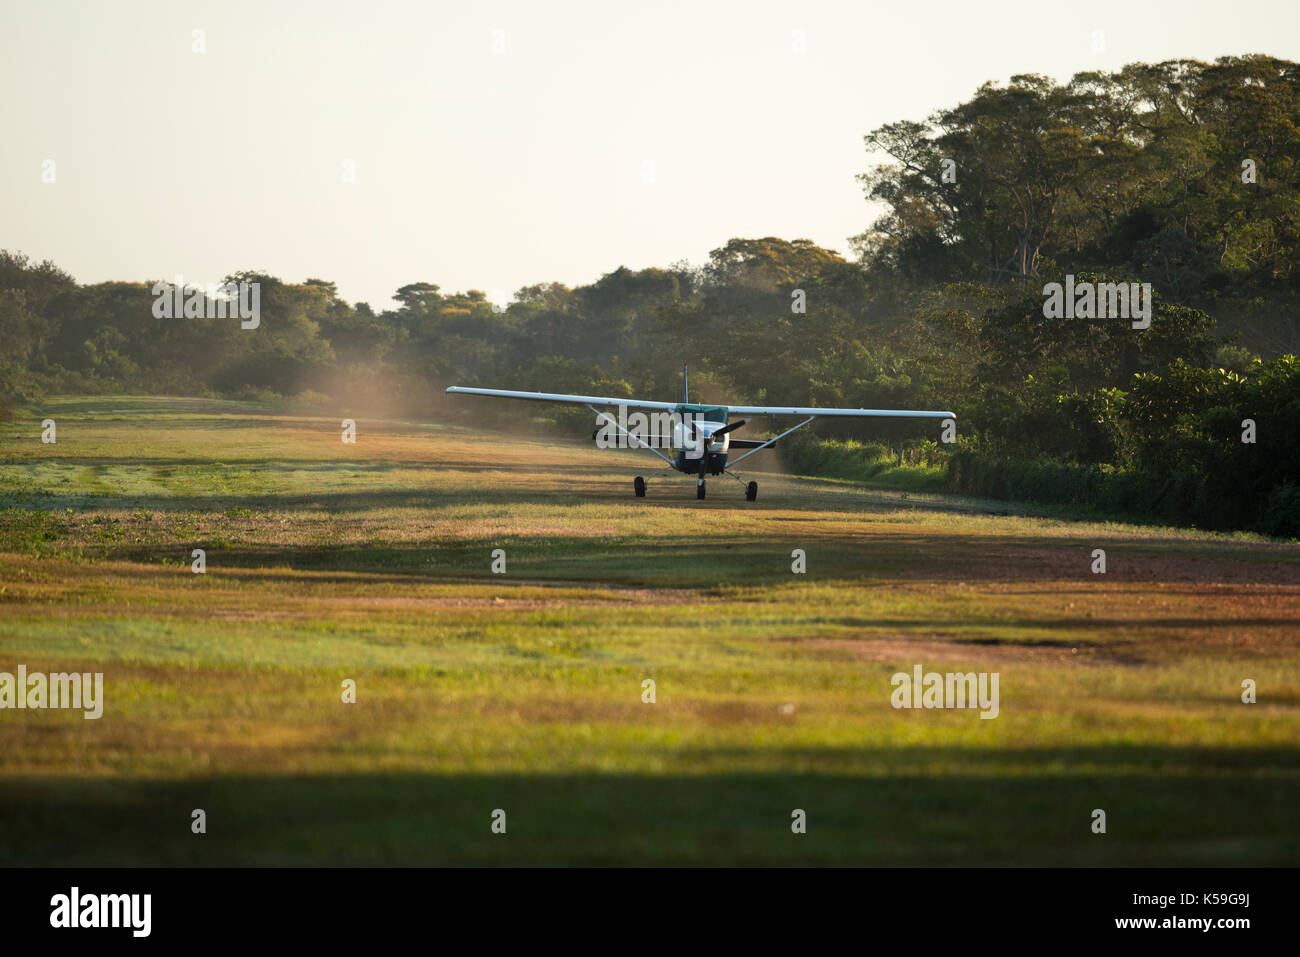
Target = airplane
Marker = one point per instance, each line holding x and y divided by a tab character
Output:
701	434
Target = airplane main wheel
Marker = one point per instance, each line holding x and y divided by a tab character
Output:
699	490
751	491
638	486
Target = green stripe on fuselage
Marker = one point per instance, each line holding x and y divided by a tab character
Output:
710	413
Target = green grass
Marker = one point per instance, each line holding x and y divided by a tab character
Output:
523	691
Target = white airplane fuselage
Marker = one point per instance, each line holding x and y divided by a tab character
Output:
702	455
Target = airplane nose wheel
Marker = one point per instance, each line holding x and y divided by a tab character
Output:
751	491
699	489
638	486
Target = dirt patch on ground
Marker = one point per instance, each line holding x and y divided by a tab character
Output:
941	652
985	559
619	598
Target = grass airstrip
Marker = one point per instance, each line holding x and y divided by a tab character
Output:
525	691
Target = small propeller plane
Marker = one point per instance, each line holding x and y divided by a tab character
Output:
700	434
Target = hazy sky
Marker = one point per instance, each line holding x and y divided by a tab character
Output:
490	160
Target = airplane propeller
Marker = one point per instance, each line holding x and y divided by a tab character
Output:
729	428
717	435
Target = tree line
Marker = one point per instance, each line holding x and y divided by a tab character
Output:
1182	175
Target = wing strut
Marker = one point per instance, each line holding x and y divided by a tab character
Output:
770	441
605	416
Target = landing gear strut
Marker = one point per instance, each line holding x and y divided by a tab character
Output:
751	489
639	485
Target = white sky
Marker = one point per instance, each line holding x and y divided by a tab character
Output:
485	170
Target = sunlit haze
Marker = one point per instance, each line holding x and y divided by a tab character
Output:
501	144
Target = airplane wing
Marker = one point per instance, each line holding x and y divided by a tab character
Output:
856	413
614	402
598	400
